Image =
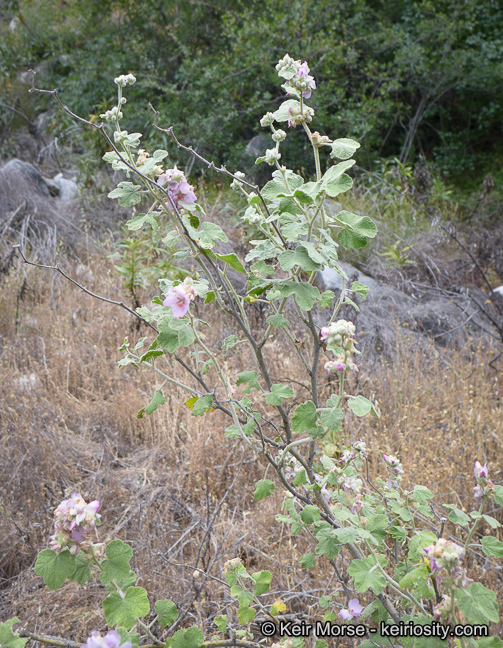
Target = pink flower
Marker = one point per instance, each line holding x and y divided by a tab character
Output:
179	301
354	610
111	640
480	472
179	297
324	333
478	492
179	189
75	522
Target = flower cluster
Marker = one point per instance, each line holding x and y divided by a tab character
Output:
395	470
125	79
75	522
338	337
354	609
179	297
298	116
111	640
297	75
444	554
484	484
112	115
447	555
179	189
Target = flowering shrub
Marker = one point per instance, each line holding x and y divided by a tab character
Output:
383	542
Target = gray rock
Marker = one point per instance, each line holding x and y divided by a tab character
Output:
329	279
68	189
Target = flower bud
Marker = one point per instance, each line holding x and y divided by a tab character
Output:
279	135
272	156
267	120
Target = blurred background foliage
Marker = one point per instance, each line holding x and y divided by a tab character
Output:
410	79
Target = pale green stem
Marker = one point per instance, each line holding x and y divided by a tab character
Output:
316	152
168	378
472	531
293	445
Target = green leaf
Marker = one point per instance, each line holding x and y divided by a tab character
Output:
137	222
157	399
492	522
233	261
360	405
298	257
305	417
331	181
55	568
249	377
478	604
492	547
263	488
166	611
262	580
221	623
305	294
190	638
350	240
277	393
245	598
126	636
125	611
344	148
361	225
359	289
347	535
332	418
422	494
283	114
416	581
246	615
82	570
498	495
366	575
300	478
308	561
328	544
326	299
278	321
127	193
116	565
8	638
490	642
202	405
456	516
418	542
174	333
310	514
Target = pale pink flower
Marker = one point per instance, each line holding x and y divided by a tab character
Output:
480	471
111	640
354	610
179	189
179	301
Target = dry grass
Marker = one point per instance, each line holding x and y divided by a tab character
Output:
68	423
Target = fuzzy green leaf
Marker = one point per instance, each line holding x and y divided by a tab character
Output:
157	399
55	568
166	611
263	488
127	193
126	611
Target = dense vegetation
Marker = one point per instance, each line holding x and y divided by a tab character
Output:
406	78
